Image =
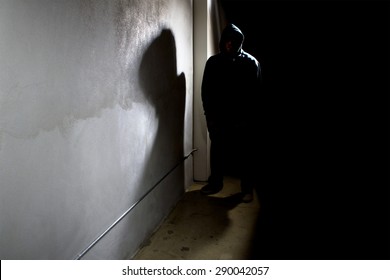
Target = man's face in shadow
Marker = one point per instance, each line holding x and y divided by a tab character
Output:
229	47
232	45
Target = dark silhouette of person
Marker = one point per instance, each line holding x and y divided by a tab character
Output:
230	89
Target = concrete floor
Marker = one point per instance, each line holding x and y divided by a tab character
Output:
215	227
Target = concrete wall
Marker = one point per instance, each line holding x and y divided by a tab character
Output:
95	108
209	20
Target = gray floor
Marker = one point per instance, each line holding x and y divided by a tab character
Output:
215	227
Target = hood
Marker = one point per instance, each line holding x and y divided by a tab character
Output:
231	33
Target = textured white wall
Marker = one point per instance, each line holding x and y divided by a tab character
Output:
95	107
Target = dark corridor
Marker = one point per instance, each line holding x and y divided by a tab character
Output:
322	157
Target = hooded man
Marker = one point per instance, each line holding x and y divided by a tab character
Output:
230	88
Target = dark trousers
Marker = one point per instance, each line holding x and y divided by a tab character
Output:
231	143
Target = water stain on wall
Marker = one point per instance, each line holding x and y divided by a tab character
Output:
71	61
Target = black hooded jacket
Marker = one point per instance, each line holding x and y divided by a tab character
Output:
231	82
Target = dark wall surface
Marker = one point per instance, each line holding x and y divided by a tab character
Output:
323	150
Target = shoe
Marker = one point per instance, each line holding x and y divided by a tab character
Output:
210	189
247	197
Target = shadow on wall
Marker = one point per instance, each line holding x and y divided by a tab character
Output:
166	92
